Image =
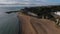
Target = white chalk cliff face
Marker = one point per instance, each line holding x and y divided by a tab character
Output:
57	13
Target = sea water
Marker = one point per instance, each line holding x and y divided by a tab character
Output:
9	23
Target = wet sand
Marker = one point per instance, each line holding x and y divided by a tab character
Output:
32	25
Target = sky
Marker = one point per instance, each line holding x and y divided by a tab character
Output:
28	2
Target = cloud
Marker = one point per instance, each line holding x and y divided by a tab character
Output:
19	1
26	0
2	0
22	2
42	0
13	2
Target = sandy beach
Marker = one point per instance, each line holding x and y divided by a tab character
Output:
33	25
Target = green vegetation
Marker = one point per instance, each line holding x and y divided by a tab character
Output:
40	11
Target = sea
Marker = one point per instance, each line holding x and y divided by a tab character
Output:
9	23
